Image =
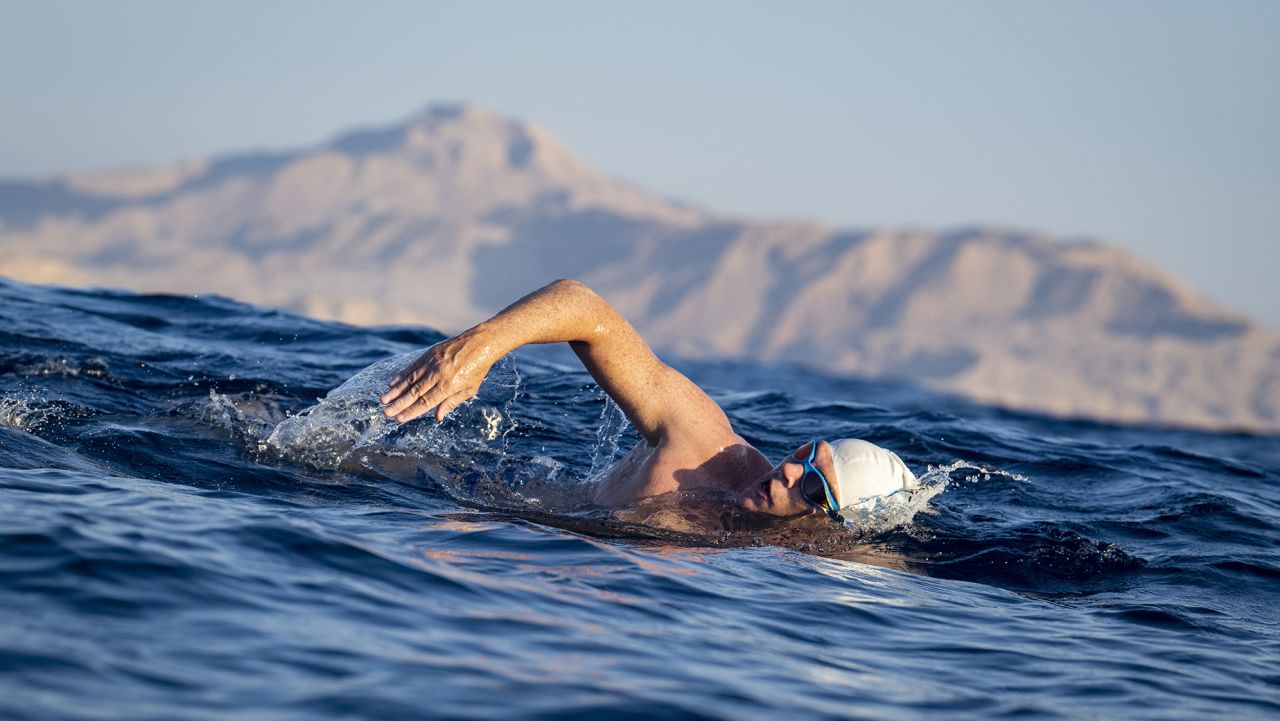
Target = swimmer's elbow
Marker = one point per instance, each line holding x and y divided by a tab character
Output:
570	285
583	297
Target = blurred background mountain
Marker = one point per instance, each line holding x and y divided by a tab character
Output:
444	218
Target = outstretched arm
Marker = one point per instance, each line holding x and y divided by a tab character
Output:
656	398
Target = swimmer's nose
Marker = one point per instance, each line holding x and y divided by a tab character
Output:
791	474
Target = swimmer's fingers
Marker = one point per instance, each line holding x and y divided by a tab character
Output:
400	396
409	411
452	402
395	387
441	405
391	396
405	378
398	399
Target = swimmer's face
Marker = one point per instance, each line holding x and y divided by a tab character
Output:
778	493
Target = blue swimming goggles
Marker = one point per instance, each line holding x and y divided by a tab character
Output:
815	487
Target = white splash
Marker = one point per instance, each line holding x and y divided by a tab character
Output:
347	418
24	413
900	508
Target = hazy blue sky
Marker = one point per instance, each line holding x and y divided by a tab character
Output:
1152	125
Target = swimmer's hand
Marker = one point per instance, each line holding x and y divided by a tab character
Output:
444	377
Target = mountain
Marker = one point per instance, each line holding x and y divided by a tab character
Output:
448	216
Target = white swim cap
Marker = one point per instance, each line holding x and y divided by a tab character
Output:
865	472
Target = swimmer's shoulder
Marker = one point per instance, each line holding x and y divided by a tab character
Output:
684	466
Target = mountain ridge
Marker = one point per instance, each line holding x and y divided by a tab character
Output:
456	211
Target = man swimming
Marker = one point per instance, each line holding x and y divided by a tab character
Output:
688	443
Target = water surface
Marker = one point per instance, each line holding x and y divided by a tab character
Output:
188	535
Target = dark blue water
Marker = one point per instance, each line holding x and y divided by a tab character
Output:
186	534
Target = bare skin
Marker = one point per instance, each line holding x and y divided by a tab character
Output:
689	444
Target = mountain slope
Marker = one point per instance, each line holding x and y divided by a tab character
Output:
452	214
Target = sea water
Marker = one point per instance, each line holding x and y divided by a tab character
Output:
204	515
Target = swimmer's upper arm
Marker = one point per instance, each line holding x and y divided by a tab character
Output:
659	400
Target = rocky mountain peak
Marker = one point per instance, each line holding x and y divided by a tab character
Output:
464	139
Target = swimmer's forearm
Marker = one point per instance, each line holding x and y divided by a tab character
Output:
451	371
565	311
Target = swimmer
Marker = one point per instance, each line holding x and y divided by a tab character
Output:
688	443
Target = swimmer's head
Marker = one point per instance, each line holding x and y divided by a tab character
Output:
857	473
865	472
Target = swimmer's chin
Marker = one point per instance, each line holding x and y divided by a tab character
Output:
748	504
751	499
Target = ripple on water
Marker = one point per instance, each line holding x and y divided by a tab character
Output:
192	528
